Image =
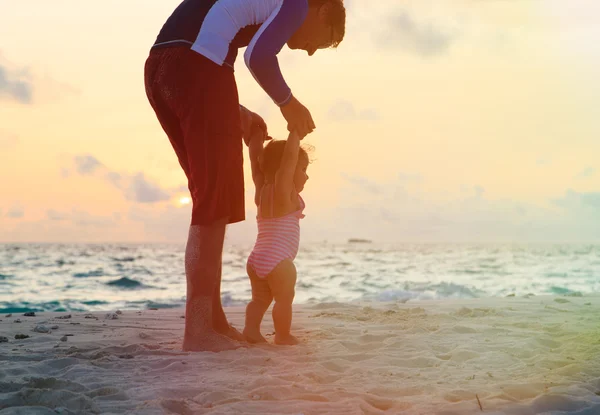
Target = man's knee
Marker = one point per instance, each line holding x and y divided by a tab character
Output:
209	238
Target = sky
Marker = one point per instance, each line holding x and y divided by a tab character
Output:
437	121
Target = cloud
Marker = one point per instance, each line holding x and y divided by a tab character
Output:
15	212
380	212
134	187
114	178
87	164
82	218
424	39
143	191
15	86
363	184
345	111
578	203
389	211
142	223
163	224
585	173
52	214
479	191
69	227
391	190
26	85
85	219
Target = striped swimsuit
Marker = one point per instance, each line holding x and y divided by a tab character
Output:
278	239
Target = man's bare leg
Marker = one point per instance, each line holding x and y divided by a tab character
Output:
202	268
219	320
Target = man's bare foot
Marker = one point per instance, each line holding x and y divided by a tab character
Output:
254	337
209	341
287	340
231	332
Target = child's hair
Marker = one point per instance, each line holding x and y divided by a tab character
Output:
336	18
272	155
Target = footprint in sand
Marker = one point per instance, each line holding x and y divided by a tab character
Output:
357	357
357	347
336	367
464	355
463	329
175	406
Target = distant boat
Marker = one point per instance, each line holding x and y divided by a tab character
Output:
359	241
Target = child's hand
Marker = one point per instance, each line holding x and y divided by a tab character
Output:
298	118
252	125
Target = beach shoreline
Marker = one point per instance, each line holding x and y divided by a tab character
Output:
512	355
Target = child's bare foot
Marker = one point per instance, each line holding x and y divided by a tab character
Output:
286	340
254	337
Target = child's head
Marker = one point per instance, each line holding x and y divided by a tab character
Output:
324	26
271	160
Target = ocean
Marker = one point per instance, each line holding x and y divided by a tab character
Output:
93	277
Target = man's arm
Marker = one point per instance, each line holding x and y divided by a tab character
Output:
261	53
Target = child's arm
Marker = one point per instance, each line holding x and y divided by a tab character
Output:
284	178
250	122
255	148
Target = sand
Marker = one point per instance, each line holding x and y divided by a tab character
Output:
516	355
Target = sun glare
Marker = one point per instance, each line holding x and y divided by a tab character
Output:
184	200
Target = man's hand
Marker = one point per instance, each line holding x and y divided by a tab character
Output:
298	118
251	124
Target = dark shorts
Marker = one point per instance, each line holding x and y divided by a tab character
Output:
196	103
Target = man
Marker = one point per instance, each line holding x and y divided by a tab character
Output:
191	86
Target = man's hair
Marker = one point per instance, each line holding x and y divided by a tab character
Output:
336	18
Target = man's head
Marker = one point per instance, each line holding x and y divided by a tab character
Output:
324	26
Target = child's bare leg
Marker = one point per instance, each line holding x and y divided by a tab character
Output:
282	281
256	309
